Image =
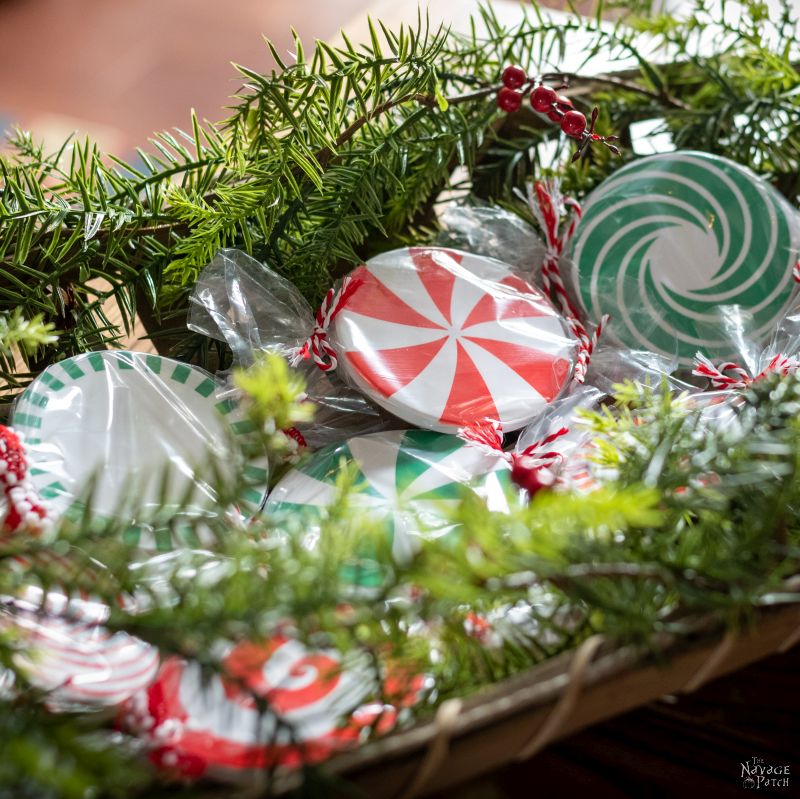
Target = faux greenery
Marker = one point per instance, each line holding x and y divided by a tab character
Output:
329	158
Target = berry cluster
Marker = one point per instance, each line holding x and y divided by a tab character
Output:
556	107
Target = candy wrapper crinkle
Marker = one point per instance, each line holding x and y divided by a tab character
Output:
253	309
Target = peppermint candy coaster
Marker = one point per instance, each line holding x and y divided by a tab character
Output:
125	419
668	239
442	338
406	479
316	706
76	659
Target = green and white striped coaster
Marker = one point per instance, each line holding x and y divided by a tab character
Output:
125	419
407	479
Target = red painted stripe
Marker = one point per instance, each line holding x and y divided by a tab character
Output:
544	372
390	370
375	300
470	397
438	281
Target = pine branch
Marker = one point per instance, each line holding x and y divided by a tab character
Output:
284	176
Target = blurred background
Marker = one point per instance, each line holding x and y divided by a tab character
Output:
118	70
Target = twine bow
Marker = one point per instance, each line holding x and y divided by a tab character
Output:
546	201
532	468
537	457
731	376
317	345
487	436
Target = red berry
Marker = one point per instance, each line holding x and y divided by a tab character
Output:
563	104
514	77
509	100
573	123
542	99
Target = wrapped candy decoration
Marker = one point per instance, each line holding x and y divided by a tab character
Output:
441	338
434	336
317	703
406	479
68	653
127	420
667	239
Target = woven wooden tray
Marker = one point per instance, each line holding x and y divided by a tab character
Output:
517	718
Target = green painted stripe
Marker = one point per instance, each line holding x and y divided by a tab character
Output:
51	381
27	420
245	426
97	361
34	470
124	360
53	490
181	373
39	400
252	496
206	388
132	535
72	369
74	512
226	406
163	540
256	473
187	536
33	440
153	363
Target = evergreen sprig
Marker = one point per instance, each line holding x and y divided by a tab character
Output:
344	152
701	521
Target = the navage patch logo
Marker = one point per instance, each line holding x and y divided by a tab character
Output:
758	774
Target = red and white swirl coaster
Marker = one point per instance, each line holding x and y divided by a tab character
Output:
317	706
75	658
443	338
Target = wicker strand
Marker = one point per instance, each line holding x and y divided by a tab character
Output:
792	639
445	722
562	711
709	668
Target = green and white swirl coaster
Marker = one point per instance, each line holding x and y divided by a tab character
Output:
124	420
668	239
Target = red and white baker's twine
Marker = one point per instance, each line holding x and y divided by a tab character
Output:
25	512
487	436
546	201
729	375
317	345
537	456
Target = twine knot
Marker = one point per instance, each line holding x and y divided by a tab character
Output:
546	203
731	376
317	346
25	512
